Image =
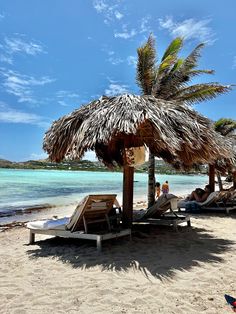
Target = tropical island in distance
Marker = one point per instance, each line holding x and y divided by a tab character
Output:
87	165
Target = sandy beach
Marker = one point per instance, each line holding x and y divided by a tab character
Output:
159	271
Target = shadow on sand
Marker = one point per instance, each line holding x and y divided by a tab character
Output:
159	252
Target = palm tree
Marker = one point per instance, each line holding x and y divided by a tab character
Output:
169	80
225	127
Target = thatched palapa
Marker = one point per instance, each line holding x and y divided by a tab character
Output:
171	131
108	125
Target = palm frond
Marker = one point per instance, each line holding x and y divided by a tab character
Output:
191	61
168	61
177	65
146	65
198	72
166	64
200	92
162	71
225	126
173	48
181	75
193	73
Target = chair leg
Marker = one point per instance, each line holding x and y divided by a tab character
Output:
31	237
175	226
99	243
108	222
85	225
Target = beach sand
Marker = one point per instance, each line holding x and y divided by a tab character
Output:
159	271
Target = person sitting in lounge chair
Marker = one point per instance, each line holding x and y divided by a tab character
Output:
199	195
197	199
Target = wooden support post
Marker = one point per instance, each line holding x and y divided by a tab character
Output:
31	237
212	177
151	180
128	193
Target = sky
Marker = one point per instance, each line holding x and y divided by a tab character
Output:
57	55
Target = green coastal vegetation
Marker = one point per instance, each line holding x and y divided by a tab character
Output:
87	165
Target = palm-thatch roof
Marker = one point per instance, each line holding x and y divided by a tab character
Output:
170	130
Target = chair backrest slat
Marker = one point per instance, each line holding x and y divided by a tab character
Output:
164	202
211	198
92	207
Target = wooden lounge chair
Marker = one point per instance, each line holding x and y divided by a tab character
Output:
163	212
90	221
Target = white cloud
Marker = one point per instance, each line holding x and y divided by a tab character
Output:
6	59
19	45
125	33
100	6
118	15
112	57
111	53
189	29
63	103
90	155
9	115
2	16
67	94
109	9
167	23
116	89
145	25
66	97
132	60
22	85
115	61
114	12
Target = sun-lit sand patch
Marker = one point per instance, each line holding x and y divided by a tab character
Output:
159	271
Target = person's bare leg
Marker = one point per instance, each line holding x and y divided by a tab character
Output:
195	197
192	196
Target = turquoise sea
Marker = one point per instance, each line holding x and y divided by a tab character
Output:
22	189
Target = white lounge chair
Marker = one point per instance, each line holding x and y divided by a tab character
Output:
225	201
93	209
163	212
211	198
216	201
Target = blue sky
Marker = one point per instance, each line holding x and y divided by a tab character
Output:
56	55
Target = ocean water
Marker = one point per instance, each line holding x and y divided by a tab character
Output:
22	189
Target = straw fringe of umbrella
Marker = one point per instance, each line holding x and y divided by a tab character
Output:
170	130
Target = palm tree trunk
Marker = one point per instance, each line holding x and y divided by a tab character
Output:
151	180
219	181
